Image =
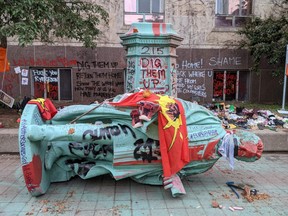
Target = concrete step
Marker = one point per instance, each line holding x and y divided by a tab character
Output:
273	141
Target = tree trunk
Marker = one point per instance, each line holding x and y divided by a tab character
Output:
3	42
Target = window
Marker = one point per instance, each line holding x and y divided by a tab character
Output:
143	10
232	13
53	83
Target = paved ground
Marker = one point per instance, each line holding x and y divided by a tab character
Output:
104	196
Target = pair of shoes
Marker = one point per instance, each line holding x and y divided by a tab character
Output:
144	112
147	110
136	122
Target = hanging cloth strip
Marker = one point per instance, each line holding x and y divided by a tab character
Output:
226	149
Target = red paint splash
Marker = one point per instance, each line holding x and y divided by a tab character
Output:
163	28
33	173
250	149
156	29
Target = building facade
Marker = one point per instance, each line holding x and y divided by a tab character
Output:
209	64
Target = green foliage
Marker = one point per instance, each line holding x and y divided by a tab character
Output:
46	20
266	38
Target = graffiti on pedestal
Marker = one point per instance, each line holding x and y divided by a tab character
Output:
130	76
153	74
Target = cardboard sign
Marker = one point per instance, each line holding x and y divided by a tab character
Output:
6	99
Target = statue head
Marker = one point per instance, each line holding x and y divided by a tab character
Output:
247	146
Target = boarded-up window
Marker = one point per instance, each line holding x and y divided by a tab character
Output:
65	84
230	85
53	83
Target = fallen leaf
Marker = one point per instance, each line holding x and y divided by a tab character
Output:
45	209
215	204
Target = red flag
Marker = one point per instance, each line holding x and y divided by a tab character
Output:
173	136
133	99
172	129
4	64
45	106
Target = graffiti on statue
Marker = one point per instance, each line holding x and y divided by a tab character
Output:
147	151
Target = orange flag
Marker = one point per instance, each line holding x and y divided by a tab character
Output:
4	64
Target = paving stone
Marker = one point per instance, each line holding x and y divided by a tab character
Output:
105	196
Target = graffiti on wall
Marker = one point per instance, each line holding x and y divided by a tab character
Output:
225	61
192	75
92	83
44	62
10	80
95	64
191	78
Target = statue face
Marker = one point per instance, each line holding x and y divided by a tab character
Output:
248	147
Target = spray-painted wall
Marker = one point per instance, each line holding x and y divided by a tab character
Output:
98	74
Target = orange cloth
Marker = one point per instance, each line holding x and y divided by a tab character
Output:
171	128
4	64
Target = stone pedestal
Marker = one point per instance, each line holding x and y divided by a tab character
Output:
151	57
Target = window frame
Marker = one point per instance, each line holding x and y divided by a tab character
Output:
143	14
221	13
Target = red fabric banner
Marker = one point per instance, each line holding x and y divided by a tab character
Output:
45	106
171	128
173	136
4	64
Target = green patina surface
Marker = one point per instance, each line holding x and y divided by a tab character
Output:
104	142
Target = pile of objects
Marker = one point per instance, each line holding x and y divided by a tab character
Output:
243	118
